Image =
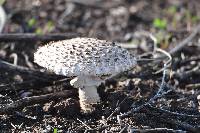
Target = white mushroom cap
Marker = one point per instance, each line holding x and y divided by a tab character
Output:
2	18
84	56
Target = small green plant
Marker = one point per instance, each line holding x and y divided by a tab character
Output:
172	10
2	2
190	17
50	26
55	130
160	23
195	19
31	22
38	31
163	38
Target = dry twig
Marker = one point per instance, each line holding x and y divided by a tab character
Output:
185	41
7	108
84	124
173	113
183	125
30	84
13	37
133	130
33	72
95	4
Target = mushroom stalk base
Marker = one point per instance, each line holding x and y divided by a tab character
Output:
88	95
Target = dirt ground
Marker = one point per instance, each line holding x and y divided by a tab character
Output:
139	100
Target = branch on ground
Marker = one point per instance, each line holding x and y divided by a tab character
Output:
13	37
27	101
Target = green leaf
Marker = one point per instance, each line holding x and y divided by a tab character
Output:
188	15
50	26
39	31
172	9
2	2
31	22
55	130
160	23
195	19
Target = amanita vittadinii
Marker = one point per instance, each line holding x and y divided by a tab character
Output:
86	59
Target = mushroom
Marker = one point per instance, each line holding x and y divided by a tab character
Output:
3	17
86	59
198	100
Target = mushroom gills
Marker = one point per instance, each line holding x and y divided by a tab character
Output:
88	95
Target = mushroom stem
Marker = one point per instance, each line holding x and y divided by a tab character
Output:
88	95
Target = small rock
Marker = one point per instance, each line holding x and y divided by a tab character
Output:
18	78
25	94
2	53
